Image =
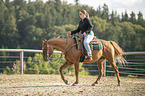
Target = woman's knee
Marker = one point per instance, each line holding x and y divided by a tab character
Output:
86	42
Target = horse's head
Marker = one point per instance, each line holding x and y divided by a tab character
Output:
47	50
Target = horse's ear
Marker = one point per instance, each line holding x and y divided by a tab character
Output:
45	41
42	41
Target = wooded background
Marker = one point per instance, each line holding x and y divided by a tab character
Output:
24	24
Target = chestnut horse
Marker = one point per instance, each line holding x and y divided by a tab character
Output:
110	52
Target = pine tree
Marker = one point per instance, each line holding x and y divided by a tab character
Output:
2	23
77	2
132	18
114	17
105	13
125	17
140	19
99	13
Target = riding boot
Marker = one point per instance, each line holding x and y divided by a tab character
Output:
88	57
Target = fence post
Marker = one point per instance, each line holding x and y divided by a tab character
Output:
104	68
21	58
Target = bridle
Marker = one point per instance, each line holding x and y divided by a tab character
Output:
65	51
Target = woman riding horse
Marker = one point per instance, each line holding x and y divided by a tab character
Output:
110	52
85	27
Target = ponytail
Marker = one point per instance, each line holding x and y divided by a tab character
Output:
86	13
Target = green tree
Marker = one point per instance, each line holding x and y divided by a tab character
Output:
31	8
105	13
77	2
33	37
125	17
16	68
99	26
12	35
114	18
140	19
39	6
25	24
99	12
7	3
2	23
132	18
61	30
126	36
139	40
18	2
36	65
8	31
58	5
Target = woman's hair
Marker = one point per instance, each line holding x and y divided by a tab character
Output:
86	13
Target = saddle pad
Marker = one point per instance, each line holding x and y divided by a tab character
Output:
96	46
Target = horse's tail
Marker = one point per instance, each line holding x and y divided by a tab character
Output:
118	53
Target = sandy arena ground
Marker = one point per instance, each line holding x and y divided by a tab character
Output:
52	85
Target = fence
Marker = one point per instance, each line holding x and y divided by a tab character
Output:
135	65
21	56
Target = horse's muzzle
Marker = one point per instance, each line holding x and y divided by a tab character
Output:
46	59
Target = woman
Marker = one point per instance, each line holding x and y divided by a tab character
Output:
85	27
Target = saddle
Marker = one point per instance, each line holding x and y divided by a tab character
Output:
95	44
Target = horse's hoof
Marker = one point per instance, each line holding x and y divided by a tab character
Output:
66	82
74	84
119	84
93	84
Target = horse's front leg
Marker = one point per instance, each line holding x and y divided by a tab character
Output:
65	65
76	73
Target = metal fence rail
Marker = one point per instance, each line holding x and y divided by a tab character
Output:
135	65
21	51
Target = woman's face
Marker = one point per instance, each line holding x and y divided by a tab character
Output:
82	15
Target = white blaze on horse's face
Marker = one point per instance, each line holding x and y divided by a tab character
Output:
45	49
47	52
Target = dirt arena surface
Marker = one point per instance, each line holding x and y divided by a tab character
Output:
52	85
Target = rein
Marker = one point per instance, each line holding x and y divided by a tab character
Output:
70	48
66	45
67	49
58	59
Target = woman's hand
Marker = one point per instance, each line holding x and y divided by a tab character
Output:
84	33
69	32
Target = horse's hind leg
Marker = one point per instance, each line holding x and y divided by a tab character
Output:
65	65
110	57
115	68
100	67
